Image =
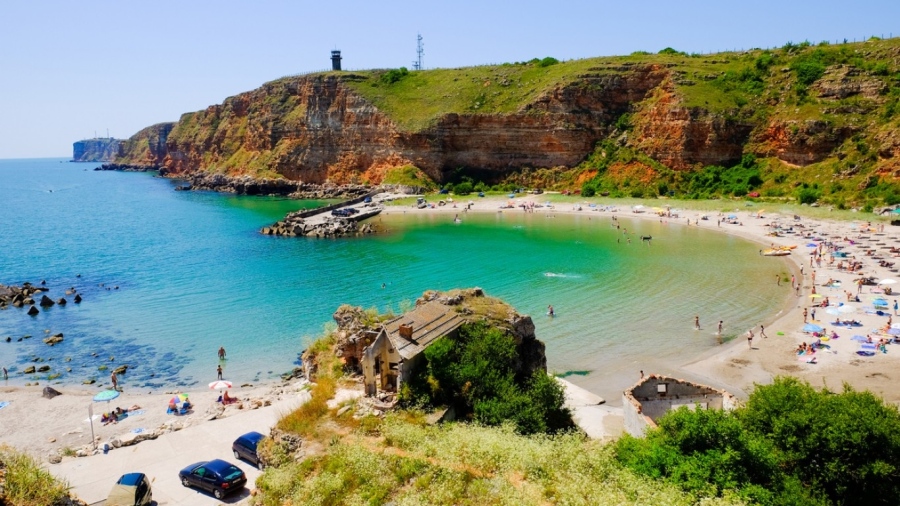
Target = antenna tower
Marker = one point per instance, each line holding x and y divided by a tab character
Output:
420	50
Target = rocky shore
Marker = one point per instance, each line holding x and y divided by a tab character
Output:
294	225
247	185
125	167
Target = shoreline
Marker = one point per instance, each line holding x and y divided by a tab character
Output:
63	420
732	365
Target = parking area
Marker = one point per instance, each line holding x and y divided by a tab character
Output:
91	478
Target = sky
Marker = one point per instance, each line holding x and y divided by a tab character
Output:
71	69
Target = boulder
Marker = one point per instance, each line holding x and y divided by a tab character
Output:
43	368
122	369
89	381
62	301
54	339
54	458
46	301
33	311
28	370
77	298
50	392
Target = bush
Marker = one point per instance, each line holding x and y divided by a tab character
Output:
394	75
790	444
589	189
463	188
808	195
475	373
546	62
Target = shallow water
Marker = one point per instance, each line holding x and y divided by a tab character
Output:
193	274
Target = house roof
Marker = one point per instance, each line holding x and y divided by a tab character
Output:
429	322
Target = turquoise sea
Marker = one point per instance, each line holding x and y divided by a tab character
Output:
168	277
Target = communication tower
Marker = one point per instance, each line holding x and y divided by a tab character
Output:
420	51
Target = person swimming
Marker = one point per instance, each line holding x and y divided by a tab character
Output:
550	311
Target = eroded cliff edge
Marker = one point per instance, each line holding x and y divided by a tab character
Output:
682	112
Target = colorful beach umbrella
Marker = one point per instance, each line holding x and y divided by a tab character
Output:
179	398
106	396
219	385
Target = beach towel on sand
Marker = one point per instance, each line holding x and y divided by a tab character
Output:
3	404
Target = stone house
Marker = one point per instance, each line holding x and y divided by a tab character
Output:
653	396
397	348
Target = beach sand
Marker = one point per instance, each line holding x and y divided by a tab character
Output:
44	427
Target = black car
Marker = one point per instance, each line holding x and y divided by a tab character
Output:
244	447
216	476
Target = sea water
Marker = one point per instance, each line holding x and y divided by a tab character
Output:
168	277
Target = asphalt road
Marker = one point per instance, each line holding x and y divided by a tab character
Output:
91	478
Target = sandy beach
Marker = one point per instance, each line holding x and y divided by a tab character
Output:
734	365
46	427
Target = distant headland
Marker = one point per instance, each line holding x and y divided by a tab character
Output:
98	149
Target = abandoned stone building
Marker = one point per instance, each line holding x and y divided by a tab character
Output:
397	348
653	396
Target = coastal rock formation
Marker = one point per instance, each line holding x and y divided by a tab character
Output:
95	150
680	112
294	226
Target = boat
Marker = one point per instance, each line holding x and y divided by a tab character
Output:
776	252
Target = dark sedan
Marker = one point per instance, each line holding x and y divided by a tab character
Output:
216	476
244	448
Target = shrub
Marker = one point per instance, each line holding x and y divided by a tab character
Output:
463	188
546	62
475	373
808	195
394	75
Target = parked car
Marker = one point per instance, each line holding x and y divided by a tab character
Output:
244	448
132	489
216	476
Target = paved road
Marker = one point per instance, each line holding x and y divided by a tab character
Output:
92	477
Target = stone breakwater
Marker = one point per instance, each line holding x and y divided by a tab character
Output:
294	225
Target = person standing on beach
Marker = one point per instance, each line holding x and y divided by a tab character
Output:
750	338
762	331
793	281
219	371
804	315
222	351
697	322
813	314
114	379
719	331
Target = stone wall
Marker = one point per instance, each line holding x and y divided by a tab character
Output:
646	401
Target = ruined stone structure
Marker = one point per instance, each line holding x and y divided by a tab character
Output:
655	395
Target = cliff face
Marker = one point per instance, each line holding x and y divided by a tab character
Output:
95	150
682	112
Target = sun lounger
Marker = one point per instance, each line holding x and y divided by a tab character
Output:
866	350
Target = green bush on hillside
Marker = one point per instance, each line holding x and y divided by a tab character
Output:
790	444
394	75
475	373
26	482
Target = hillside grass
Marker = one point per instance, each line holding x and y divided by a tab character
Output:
26	483
403	461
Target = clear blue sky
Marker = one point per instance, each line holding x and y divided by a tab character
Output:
70	68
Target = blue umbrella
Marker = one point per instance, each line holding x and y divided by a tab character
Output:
859	338
812	327
812	245
106	395
894	332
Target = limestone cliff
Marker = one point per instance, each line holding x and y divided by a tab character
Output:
796	106
95	150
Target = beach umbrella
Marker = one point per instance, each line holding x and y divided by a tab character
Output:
833	310
894	332
106	396
219	385
812	327
812	245
858	337
179	398
887	281
847	308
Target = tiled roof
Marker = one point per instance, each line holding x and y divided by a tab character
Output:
429	322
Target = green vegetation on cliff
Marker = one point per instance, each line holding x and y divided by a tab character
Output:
24	482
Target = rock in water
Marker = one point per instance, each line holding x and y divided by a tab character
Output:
46	301
33	311
62	301
50	392
77	298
